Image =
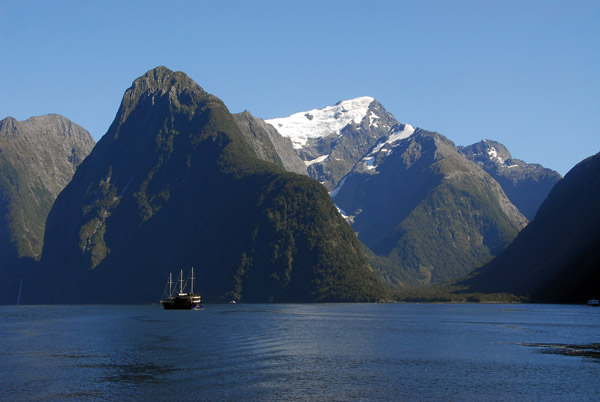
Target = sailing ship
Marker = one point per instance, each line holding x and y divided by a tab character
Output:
181	300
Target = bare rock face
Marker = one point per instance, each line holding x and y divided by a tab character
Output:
332	139
268	145
526	184
38	158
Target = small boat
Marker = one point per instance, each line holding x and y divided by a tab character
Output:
593	302
182	300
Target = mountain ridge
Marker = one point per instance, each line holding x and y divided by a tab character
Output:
268	145
526	184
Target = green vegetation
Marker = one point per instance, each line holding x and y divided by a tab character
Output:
428	215
442	294
449	234
173	184
37	158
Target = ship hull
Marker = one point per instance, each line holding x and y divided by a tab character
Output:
183	303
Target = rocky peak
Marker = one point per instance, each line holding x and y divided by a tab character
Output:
525	184
332	139
38	158
488	151
8	124
51	145
160	84
162	80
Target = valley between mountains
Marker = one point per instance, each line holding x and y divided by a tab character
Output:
338	204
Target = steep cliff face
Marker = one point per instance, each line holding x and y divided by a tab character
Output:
427	212
175	184
268	144
38	157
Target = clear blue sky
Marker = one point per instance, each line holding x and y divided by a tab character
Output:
524	73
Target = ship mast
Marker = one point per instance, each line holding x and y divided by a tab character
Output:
192	278
170	285
181	281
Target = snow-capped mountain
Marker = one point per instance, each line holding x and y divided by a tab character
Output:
526	184
427	210
332	139
319	123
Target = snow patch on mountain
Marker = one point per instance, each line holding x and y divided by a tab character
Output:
316	160
370	162
318	123
400	132
397	133
493	154
373	119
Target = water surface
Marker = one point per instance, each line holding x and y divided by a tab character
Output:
301	352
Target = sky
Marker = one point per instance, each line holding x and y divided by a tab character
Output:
524	73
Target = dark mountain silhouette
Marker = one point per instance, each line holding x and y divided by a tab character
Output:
174	184
556	257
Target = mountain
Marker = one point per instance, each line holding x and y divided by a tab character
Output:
526	185
556	257
268	144
332	139
174	184
38	157
426	212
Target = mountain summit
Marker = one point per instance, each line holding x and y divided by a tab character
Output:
526	184
38	157
332	139
319	123
175	184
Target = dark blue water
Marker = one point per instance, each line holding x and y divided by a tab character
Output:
300	352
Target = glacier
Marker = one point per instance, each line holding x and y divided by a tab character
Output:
318	123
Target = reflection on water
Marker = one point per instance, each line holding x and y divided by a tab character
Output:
300	352
591	350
